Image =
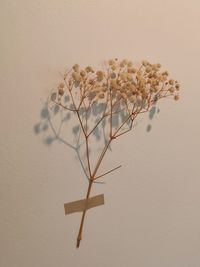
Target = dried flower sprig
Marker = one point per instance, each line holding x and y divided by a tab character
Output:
120	88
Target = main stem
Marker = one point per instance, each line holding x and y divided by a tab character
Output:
83	216
79	237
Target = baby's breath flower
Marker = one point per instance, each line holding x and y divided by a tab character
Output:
61	91
82	73
124	95
171	89
125	61
130	64
89	69
104	88
139	99
144	95
132	87
61	85
114	84
163	78
155	89
129	93
98	89
113	75
101	95
76	67
129	77
176	97
129	70
113	67
144	62
165	73
122	65
123	76
100	75
140	87
155	75
132	98
148	69
111	62
141	81
154	67
91	81
76	76
133	70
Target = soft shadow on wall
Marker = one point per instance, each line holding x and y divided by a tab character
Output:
59	125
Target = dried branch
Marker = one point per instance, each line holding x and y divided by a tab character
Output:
107	172
124	89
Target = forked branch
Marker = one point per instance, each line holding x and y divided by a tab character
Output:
124	90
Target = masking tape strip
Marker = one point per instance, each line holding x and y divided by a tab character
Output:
83	204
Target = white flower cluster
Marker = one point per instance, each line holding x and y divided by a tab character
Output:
121	81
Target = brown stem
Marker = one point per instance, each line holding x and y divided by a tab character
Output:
114	169
92	178
79	237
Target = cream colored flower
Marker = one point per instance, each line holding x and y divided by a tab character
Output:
176	97
89	69
144	62
148	69
61	91
132	99
61	85
129	64
82	73
111	62
101	95
129	77
100	75
171	89
76	76
76	67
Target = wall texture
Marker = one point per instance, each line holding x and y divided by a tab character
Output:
151	216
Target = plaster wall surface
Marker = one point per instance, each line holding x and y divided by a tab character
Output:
151	215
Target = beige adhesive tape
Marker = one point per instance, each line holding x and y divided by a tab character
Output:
84	204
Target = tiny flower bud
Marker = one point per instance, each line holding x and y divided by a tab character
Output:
101	95
61	92
82	73
111	62
76	76
76	67
171	89
61	85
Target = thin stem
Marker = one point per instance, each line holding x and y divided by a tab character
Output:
101	158
124	132
114	135
88	156
103	116
79	237
61	105
107	172
111	107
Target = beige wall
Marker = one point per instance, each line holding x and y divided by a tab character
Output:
152	211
